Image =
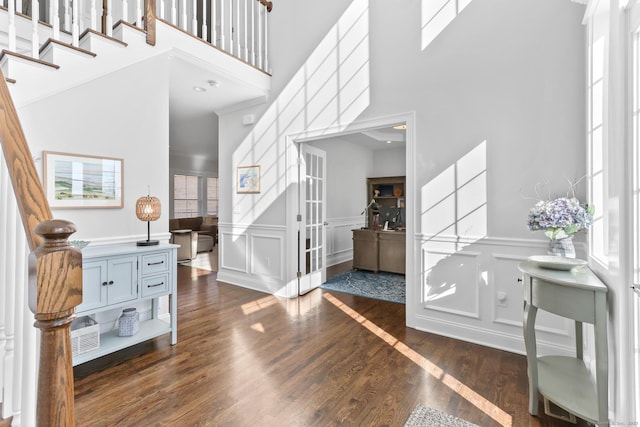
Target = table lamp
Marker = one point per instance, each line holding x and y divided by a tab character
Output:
148	209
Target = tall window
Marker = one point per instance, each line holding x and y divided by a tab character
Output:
597	142
212	196
185	196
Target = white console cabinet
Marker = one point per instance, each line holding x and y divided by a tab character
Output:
118	276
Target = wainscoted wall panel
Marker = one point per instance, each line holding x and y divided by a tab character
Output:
508	299
469	289
270	265
340	238
452	282
263	248
235	250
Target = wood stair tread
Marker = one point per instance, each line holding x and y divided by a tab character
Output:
66	45
27	58
104	36
126	24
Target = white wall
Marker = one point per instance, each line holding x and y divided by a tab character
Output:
346	178
107	117
498	100
391	162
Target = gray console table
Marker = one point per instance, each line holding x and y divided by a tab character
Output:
579	295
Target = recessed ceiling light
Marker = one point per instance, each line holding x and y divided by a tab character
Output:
199	89
388	142
400	127
213	83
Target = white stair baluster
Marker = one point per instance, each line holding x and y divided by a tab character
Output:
67	16
253	32
80	5
18	6
245	9
161	5
222	18
236	29
194	21
94	15
20	283
54	19
12	25
139	22
173	13
9	305
183	16
35	36
125	11
214	24
205	36
109	19
75	30
260	21
266	41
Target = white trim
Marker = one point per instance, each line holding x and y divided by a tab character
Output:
489	337
291	146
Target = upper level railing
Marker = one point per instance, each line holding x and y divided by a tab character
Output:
238	27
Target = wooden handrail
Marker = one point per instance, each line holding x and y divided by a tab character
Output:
267	4
55	272
32	202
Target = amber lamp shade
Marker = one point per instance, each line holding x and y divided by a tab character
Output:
148	209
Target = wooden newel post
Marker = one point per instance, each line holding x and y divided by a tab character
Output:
55	289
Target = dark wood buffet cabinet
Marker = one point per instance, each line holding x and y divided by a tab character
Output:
374	248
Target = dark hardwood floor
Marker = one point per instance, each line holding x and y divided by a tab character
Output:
244	358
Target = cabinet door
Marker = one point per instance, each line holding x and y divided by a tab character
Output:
94	286
365	250
123	279
391	255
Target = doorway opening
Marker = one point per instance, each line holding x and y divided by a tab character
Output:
332	198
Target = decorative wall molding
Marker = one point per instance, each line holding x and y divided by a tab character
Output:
471	308
490	312
271	245
242	259
512	342
340	240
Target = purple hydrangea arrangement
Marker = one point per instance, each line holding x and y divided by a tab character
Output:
560	218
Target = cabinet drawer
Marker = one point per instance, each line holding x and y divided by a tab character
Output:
155	263
154	285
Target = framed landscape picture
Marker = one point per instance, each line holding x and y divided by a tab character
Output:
79	181
248	180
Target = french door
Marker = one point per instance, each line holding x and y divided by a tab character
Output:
312	254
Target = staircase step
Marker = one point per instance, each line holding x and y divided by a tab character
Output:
24	29
12	64
94	41
62	53
129	33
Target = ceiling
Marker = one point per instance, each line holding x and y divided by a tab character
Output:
197	92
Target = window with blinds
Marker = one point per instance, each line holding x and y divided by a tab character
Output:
212	196
185	196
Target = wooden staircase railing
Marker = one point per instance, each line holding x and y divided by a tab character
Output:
55	272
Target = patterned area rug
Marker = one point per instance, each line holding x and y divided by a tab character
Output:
428	417
383	286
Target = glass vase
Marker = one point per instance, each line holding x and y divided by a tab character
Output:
562	247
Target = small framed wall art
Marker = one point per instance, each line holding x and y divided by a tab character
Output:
74	181
248	179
